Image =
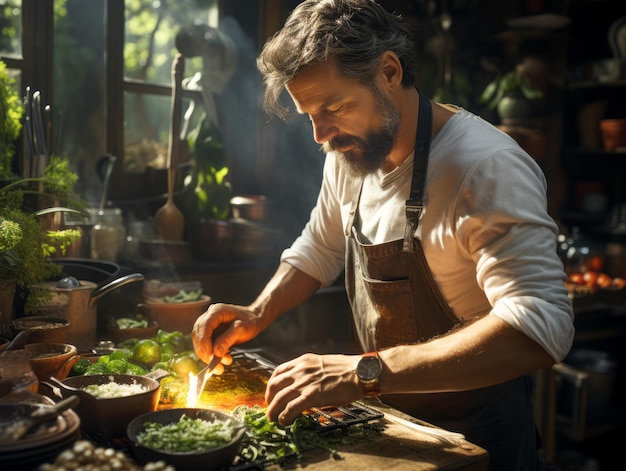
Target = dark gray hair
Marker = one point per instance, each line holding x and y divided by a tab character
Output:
352	34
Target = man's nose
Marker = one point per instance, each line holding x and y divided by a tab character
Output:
323	130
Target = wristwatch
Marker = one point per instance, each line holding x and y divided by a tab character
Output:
368	370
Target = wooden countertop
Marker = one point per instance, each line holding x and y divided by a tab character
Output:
398	448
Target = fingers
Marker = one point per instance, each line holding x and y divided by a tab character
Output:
226	360
310	381
209	327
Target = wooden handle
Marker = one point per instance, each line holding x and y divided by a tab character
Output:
178	69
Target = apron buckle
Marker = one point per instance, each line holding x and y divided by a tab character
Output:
413	214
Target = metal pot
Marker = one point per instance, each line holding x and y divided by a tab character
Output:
75	301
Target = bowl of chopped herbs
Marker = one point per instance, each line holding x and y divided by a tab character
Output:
186	438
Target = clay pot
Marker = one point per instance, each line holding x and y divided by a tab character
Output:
178	316
51	359
43	329
109	416
613	133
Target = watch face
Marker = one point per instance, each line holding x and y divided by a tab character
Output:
368	368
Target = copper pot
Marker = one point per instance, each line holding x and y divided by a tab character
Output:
77	304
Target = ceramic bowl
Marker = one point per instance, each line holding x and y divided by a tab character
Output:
109	416
217	458
178	316
51	359
43	329
119	335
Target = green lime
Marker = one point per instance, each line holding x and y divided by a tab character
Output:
116	367
95	369
183	365
147	351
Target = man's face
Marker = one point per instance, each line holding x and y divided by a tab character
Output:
366	155
356	122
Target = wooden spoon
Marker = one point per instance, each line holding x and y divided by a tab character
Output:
169	220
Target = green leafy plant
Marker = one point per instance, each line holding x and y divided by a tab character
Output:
206	192
25	242
11	111
25	245
507	83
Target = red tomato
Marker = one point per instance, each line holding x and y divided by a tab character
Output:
591	279
595	264
604	280
576	278
618	283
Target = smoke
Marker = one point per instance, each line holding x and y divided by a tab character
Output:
293	179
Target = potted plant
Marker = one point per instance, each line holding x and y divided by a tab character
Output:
25	243
205	196
511	95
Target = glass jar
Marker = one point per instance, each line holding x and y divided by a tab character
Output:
108	234
581	253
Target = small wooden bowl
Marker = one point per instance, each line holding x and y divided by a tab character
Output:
51	359
119	335
178	316
43	329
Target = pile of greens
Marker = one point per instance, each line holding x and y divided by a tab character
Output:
266	441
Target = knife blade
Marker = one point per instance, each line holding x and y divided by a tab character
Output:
205	374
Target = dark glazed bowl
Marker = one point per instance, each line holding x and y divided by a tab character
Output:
214	459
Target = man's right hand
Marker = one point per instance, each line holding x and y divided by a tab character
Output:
221	327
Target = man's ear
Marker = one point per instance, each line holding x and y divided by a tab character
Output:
391	69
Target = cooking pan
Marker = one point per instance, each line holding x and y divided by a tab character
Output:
75	300
108	416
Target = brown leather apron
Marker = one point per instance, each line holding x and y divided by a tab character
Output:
395	300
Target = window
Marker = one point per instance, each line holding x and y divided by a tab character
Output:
104	67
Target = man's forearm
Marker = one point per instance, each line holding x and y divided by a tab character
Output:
288	288
482	354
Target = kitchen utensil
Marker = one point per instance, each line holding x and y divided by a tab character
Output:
97	271
19	340
169	220
204	375
105	169
39	416
250	207
78	305
108	416
218	458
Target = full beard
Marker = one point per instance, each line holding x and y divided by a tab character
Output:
367	155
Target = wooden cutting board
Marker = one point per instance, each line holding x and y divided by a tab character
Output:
398	448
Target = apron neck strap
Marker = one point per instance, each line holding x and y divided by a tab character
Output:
415	203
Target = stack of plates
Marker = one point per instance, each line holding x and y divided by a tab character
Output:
40	445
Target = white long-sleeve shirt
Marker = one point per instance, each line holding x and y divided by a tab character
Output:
486	233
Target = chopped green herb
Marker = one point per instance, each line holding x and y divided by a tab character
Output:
187	435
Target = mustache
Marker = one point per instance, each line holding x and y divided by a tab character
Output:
341	142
